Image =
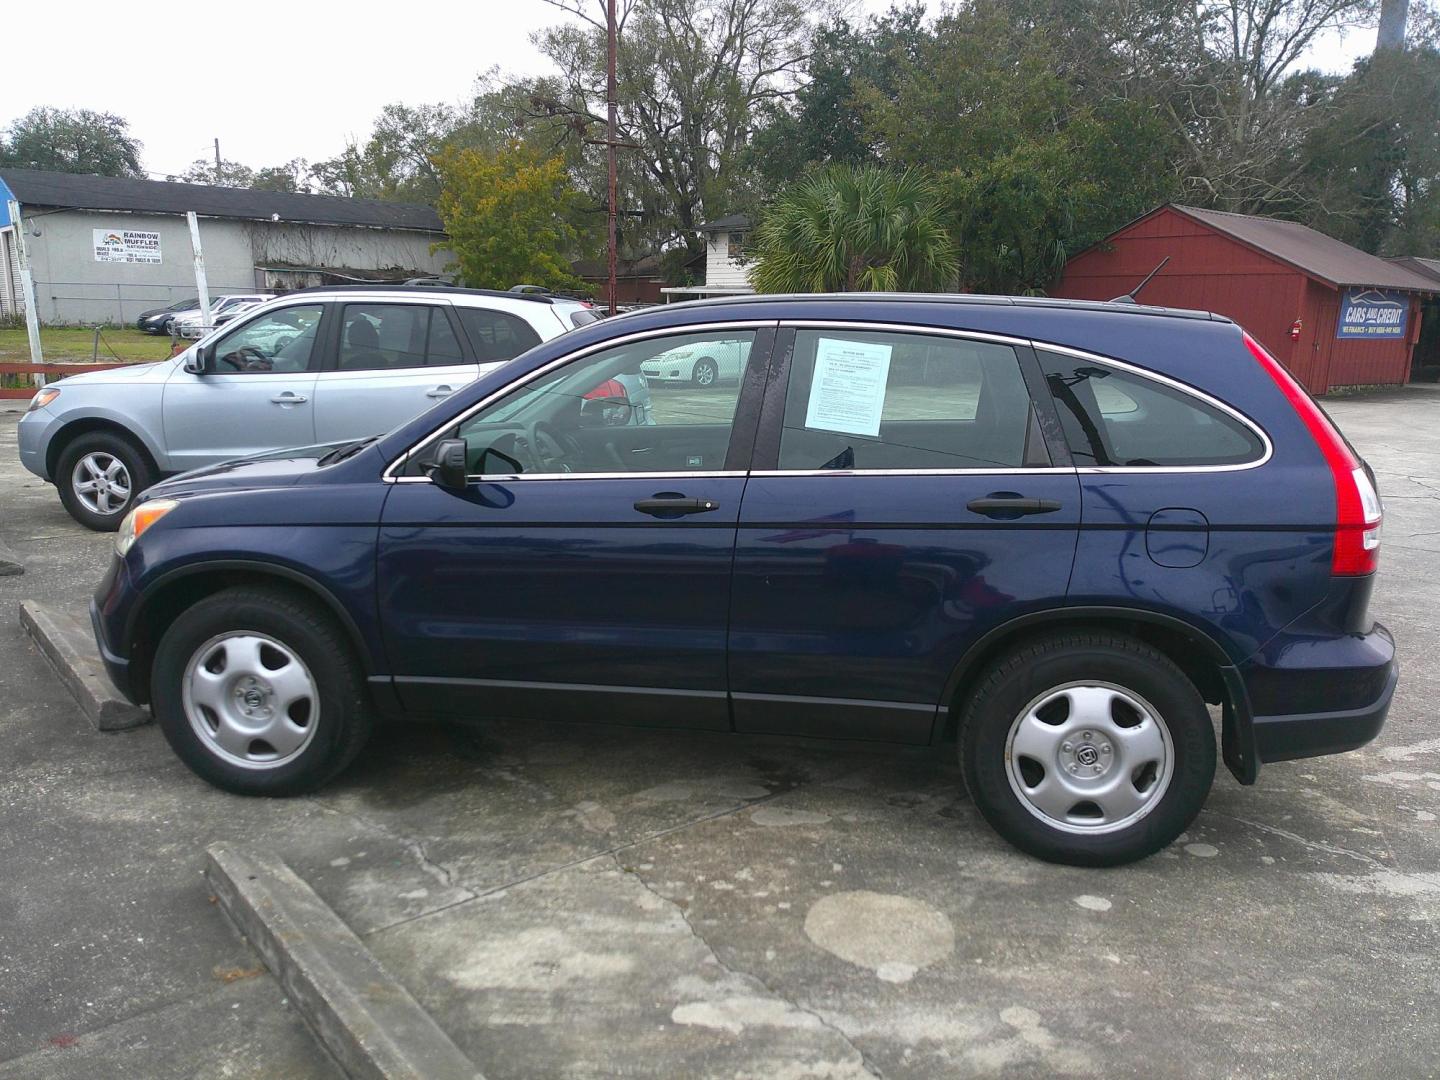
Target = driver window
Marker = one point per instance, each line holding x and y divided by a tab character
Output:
635	408
278	341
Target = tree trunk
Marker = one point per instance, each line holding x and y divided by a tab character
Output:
1393	16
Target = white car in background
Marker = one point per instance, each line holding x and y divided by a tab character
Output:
703	364
193	326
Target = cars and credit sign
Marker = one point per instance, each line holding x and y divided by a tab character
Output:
1372	313
126	246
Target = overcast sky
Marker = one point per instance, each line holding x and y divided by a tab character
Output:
280	81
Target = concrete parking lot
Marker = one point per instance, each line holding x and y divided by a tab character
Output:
581	902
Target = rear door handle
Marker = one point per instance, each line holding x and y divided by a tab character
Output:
289	398
668	504
1011	506
439	391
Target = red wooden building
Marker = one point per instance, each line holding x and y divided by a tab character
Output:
1333	314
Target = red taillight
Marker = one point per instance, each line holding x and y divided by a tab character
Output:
609	388
1357	505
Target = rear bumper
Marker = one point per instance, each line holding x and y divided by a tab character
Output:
1295	713
1284	738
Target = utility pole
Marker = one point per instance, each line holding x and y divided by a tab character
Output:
217	161
27	289
202	287
610	99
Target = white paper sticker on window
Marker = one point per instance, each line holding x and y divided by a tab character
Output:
847	392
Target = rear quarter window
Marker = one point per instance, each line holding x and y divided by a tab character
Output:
1113	417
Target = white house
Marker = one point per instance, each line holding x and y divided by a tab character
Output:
724	265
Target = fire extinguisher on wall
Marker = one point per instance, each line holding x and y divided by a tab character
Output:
1295	328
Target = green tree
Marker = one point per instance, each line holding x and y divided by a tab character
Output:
693	76
1022	111
855	228
507	216
397	161
1372	173
227	174
72	141
825	123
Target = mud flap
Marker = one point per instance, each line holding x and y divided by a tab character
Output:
1237	732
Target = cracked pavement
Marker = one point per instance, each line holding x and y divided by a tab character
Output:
583	901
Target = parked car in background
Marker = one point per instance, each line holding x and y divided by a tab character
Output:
157	320
317	366
192	325
702	364
1065	530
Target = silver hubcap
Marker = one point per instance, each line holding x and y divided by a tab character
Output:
705	374
1089	758
101	482
251	700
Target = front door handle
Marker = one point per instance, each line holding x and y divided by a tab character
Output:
1011	506
289	398
671	504
439	391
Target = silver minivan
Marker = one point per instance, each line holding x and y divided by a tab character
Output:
317	366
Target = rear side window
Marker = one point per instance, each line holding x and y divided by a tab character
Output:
869	401
377	337
583	317
496	335
1115	418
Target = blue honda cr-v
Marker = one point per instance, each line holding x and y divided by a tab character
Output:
1051	530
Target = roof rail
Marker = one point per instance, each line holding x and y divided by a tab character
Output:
969	299
447	290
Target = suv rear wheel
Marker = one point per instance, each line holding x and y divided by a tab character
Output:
1091	749
98	476
259	692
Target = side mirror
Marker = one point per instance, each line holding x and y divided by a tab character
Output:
447	468
199	360
606	412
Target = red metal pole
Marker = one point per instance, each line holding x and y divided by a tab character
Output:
610	95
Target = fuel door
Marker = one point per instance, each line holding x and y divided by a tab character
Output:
1177	536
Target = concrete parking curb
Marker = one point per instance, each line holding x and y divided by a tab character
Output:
367	1020
69	646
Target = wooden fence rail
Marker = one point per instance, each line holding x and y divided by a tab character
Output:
50	371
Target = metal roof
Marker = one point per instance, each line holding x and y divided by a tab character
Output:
32	187
1425	267
728	223
1318	255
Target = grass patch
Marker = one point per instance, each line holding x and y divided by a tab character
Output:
64	343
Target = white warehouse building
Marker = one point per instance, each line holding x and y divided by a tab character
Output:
103	249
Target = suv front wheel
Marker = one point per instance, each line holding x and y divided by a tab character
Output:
98	476
1091	749
259	692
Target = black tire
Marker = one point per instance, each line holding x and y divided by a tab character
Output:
1007	690
706	373
343	720
99	446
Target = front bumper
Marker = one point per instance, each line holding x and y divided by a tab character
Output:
1324	696
33	433
109	608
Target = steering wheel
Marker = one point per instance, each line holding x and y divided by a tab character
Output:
252	359
545	449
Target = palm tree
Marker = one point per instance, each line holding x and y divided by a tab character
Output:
855	229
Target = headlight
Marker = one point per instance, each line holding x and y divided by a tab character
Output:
43	398
138	520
